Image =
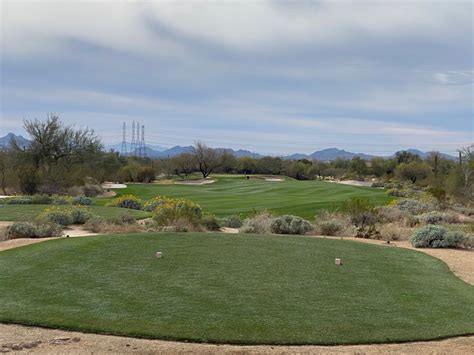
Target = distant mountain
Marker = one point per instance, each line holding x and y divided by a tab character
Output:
334	153
20	140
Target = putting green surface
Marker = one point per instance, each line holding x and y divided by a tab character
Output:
235	195
29	212
234	289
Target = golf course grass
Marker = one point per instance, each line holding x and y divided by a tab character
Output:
234	289
29	212
236	195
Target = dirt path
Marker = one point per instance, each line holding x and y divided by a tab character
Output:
50	341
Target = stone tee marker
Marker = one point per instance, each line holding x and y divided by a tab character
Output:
338	261
159	254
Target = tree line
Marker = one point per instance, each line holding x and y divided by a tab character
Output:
60	157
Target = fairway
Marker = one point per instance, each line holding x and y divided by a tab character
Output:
234	289
28	212
235	195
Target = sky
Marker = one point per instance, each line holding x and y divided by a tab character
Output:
274	77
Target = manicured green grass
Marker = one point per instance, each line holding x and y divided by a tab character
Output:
234	289
235	195
28	212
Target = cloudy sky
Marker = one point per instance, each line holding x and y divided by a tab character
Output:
269	76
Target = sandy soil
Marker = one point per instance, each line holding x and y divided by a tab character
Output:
111	185
107	194
274	179
49	341
195	182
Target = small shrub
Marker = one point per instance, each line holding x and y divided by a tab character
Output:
21	230
41	200
210	222
330	227
19	201
259	224
378	184
32	230
411	220
169	213
61	200
95	224
56	215
392	231
46	230
82	200
231	222
396	192
127	201
289	224
125	218
433	236
155	202
80	215
390	214
361	211
91	187
414	206
438	193
436	217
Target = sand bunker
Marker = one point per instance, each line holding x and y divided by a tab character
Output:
353	183
274	179
111	185
195	182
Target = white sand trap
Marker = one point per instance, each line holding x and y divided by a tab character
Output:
353	183
195	182
274	179
4	196
111	185
230	230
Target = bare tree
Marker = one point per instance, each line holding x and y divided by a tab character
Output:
467	167
207	159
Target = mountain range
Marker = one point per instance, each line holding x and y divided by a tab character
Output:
156	151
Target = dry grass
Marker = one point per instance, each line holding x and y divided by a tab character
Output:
394	231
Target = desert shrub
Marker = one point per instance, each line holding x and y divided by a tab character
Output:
91	187
259	224
392	231
19	201
41	200
32	230
82	200
433	236
438	193
80	215
46	230
125	218
127	201
61	200
436	217
56	215
465	210
173	210
231	222
330	227
21	230
396	192
390	214
155	202
210	222
378	184
361	211
414	206
411	220
289	224
95	224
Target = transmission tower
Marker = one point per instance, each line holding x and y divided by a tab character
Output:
137	139
142	143
123	149
133	144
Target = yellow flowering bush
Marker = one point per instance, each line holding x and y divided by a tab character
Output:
127	201
169	211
